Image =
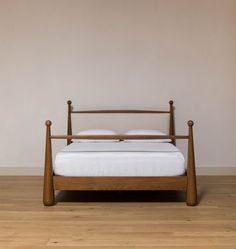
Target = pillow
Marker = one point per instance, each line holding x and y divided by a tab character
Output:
94	132
147	132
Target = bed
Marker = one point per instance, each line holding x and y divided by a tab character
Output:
130	161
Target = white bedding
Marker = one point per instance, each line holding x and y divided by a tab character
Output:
119	159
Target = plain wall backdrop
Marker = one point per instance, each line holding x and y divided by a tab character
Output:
117	54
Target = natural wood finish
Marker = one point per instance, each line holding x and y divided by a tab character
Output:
120	183
186	183
70	111
172	122
69	122
48	189
120	112
119	137
132	183
117	219
191	172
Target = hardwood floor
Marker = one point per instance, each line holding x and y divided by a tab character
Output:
132	220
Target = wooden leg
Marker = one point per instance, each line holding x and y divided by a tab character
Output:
48	189
191	196
48	193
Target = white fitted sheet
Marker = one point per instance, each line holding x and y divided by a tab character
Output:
119	159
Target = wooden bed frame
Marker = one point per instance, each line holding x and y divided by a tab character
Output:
185	183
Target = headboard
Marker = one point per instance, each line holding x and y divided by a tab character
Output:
170	112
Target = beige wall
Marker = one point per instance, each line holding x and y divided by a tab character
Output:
117	54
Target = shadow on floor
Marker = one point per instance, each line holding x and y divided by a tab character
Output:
120	196
202	192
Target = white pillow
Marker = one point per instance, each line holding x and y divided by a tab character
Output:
94	132
147	132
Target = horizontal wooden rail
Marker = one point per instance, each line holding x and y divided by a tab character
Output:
120	137
120	183
119	111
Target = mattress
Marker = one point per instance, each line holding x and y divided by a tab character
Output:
119	159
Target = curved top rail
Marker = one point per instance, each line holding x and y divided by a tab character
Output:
118	111
70	109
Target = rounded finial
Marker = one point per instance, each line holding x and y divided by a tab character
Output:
48	123
171	102
69	102
190	123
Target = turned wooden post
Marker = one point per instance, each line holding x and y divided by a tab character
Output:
191	196
48	189
69	124
172	122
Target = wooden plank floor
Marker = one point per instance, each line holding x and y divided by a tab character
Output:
132	220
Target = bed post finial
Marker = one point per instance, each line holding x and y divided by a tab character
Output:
48	123
171	102
190	123
48	189
191	198
69	124
172	121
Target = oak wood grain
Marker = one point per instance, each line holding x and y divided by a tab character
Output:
120	183
127	220
120	136
185	183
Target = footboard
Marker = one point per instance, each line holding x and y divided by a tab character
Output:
185	183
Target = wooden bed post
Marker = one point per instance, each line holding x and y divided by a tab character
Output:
69	124
172	122
48	189
191	196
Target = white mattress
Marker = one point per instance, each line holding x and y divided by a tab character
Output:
119	159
